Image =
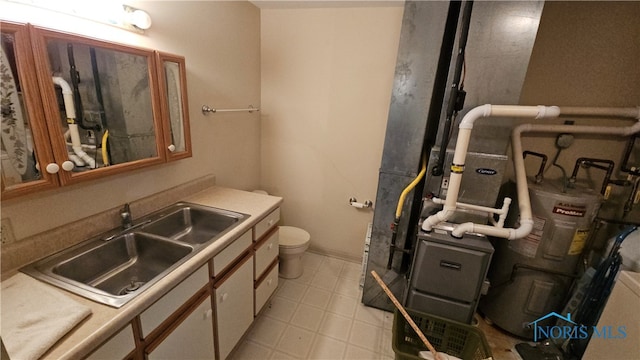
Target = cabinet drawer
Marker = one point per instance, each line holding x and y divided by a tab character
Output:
265	224
266	252
170	302
231	252
266	288
118	347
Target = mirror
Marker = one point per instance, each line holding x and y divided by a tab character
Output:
22	126
101	104
105	103
173	97
18	162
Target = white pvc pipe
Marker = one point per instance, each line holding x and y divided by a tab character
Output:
76	159
475	207
67	96
74	133
76	145
518	159
462	144
505	210
524	202
623	113
526	225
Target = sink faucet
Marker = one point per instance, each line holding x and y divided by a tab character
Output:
125	214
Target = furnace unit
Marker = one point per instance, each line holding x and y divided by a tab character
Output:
448	274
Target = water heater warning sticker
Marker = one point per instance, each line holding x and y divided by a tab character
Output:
578	242
528	246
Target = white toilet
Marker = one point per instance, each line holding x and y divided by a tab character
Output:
293	242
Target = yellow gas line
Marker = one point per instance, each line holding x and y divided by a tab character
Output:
105	155
410	187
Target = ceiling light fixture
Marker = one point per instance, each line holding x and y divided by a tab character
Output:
107	12
136	17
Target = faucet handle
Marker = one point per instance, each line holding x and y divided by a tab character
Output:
125	214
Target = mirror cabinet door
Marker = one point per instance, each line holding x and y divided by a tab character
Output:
173	97
101	103
27	160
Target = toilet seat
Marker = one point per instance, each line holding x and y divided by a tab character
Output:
293	237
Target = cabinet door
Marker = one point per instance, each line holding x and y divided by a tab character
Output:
27	160
234	306
191	339
159	311
172	82
118	347
101	104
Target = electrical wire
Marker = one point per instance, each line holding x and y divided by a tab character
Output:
565	179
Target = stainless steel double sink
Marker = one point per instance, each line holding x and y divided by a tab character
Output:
117	266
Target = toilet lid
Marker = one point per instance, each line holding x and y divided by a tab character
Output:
290	236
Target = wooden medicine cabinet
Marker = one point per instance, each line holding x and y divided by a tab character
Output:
76	109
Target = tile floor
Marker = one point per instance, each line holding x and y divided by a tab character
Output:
320	316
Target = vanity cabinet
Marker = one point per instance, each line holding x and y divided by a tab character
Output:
206	315
76	108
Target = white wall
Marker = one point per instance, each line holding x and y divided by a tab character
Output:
220	41
327	76
586	54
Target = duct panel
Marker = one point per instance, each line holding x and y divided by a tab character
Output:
387	198
501	32
423	29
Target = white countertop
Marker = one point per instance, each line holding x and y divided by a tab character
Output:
106	321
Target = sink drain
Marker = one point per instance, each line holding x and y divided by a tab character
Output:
133	286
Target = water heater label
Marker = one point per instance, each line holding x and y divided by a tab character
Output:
570	210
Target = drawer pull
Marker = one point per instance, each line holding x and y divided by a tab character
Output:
270	222
224	297
270	246
269	282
